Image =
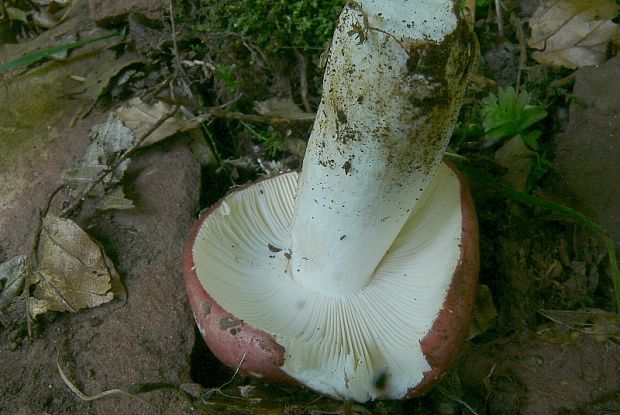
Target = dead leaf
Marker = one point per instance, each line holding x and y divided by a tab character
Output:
573	33
282	108
140	117
518	159
98	79
601	324
72	271
114	200
484	313
12	276
111	140
17	14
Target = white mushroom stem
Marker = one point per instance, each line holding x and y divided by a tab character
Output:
392	90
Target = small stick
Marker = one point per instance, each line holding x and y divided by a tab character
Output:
303	80
96	396
500	18
210	392
175	49
522	52
29	267
456	399
470	12
215	112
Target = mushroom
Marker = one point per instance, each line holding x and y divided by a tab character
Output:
355	277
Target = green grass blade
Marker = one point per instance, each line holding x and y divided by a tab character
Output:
35	56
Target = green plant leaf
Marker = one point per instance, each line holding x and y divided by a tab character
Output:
509	114
531	140
40	54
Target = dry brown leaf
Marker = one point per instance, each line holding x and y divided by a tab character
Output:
484	314
573	33
115	199
12	276
111	139
140	117
282	108
99	79
601	324
518	159
72	270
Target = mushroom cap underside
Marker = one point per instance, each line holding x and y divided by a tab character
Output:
392	339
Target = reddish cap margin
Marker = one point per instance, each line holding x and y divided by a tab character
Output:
230	339
450	330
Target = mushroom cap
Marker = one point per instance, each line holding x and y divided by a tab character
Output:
392	339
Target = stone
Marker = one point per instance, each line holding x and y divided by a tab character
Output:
587	154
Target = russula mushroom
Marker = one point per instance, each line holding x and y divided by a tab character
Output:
355	277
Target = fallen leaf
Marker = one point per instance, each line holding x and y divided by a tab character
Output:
484	314
114	200
98	80
140	117
601	324
110	140
17	14
72	271
12	276
518	159
282	108
573	33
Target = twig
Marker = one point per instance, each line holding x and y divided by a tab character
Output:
522	51
257	55
96	396
569	326
470	12
205	396
77	202
456	399
500	18
175	49
215	112
303	79
30	265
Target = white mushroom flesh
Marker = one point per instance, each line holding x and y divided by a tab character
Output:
391	94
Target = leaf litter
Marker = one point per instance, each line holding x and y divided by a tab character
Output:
140	116
110	140
72	271
12	276
574	33
601	324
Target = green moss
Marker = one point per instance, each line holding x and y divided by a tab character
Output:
273	24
